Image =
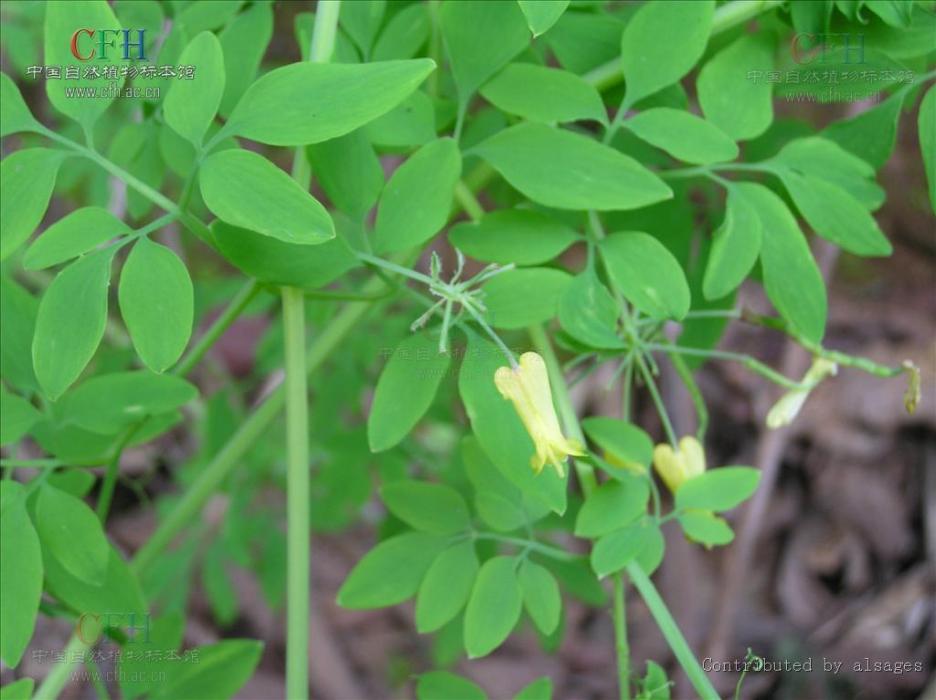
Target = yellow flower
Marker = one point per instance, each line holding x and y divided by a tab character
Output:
789	405
527	387
676	467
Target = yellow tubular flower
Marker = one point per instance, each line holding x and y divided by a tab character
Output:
527	387
676	467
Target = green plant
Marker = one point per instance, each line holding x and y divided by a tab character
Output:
467	94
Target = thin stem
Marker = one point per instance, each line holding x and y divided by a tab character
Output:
702	416
30	463
749	362
110	478
657	400
531	545
230	314
469	203
297	493
61	672
671	632
620	637
560	391
479	319
618	119
393	267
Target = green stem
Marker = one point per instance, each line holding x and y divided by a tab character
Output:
657	400
470	203
61	672
749	362
250	432
110	478
702	416
297	505
560	391
671	632
532	545
230	314
31	463
620	637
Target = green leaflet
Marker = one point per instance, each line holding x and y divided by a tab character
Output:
434	508
157	303
221	671
442	685
271	260
18	310
391	572
349	171
613	505
404	35
418	198
74	234
285	107
245	189
620	439
544	94
872	134
27	178
410	123
540	689
521	298
641	541
836	215
361	20
494	606
243	42
62	19
14	114
541	15
107	403
683	135
735	247
18	690
199	16
71	533
825	159
588	312
541	597
740	107
405	390
791	278
566	170
519	236
927	131
119	592
497	25
706	528
718	489
647	274
190	105
662	42
17	416
70	322
21	571
446	587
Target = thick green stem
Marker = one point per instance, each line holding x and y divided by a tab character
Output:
620	637
297	494
585	472
250	431
671	632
